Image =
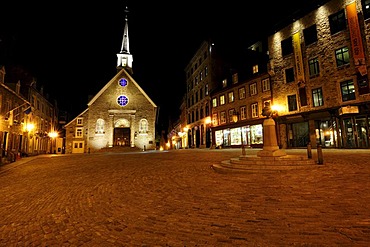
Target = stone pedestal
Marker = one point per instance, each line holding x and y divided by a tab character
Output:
270	144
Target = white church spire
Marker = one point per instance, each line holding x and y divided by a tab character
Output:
124	58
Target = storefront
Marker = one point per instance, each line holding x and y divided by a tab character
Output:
249	135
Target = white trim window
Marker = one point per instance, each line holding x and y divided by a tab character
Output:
254	110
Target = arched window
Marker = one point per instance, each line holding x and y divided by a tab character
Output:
99	126
143	127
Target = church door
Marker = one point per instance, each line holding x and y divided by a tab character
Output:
121	137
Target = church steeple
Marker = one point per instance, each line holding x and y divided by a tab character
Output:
124	58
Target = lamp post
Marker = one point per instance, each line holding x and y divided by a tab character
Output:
53	135
235	118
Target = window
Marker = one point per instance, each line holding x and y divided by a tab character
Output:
366	8
224	83
253	88
348	90
122	82
235	78
337	22
206	89
214	119
242	93
255	69
287	46
254	110
206	71
214	102
302	96
201	76
313	66
342	56
243	112
99	128
231	96
79	132
231	115
310	35
289	75
122	100
292	102
266	84
79	121
143	126
223	117
222	99
317	97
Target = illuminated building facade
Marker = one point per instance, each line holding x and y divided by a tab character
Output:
319	66
27	118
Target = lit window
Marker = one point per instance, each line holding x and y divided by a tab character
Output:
243	112
342	56
214	102
317	97
224	83
223	117
348	90
265	84
222	99
253	89
122	82
143	126
254	110
214	119
231	97
313	65
235	78
122	100
99	129
255	69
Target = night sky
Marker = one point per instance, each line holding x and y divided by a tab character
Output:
71	47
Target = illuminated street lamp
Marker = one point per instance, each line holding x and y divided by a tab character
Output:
53	135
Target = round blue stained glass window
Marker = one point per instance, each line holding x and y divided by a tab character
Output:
122	82
122	100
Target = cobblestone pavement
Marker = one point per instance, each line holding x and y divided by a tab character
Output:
174	198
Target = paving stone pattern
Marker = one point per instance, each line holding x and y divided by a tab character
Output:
174	198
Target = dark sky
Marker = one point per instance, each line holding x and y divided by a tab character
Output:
71	47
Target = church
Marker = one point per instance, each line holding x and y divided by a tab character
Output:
120	114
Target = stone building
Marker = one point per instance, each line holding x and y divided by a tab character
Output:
319	66
120	114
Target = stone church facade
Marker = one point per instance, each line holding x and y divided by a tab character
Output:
120	114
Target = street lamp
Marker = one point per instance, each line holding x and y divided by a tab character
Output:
53	135
235	119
